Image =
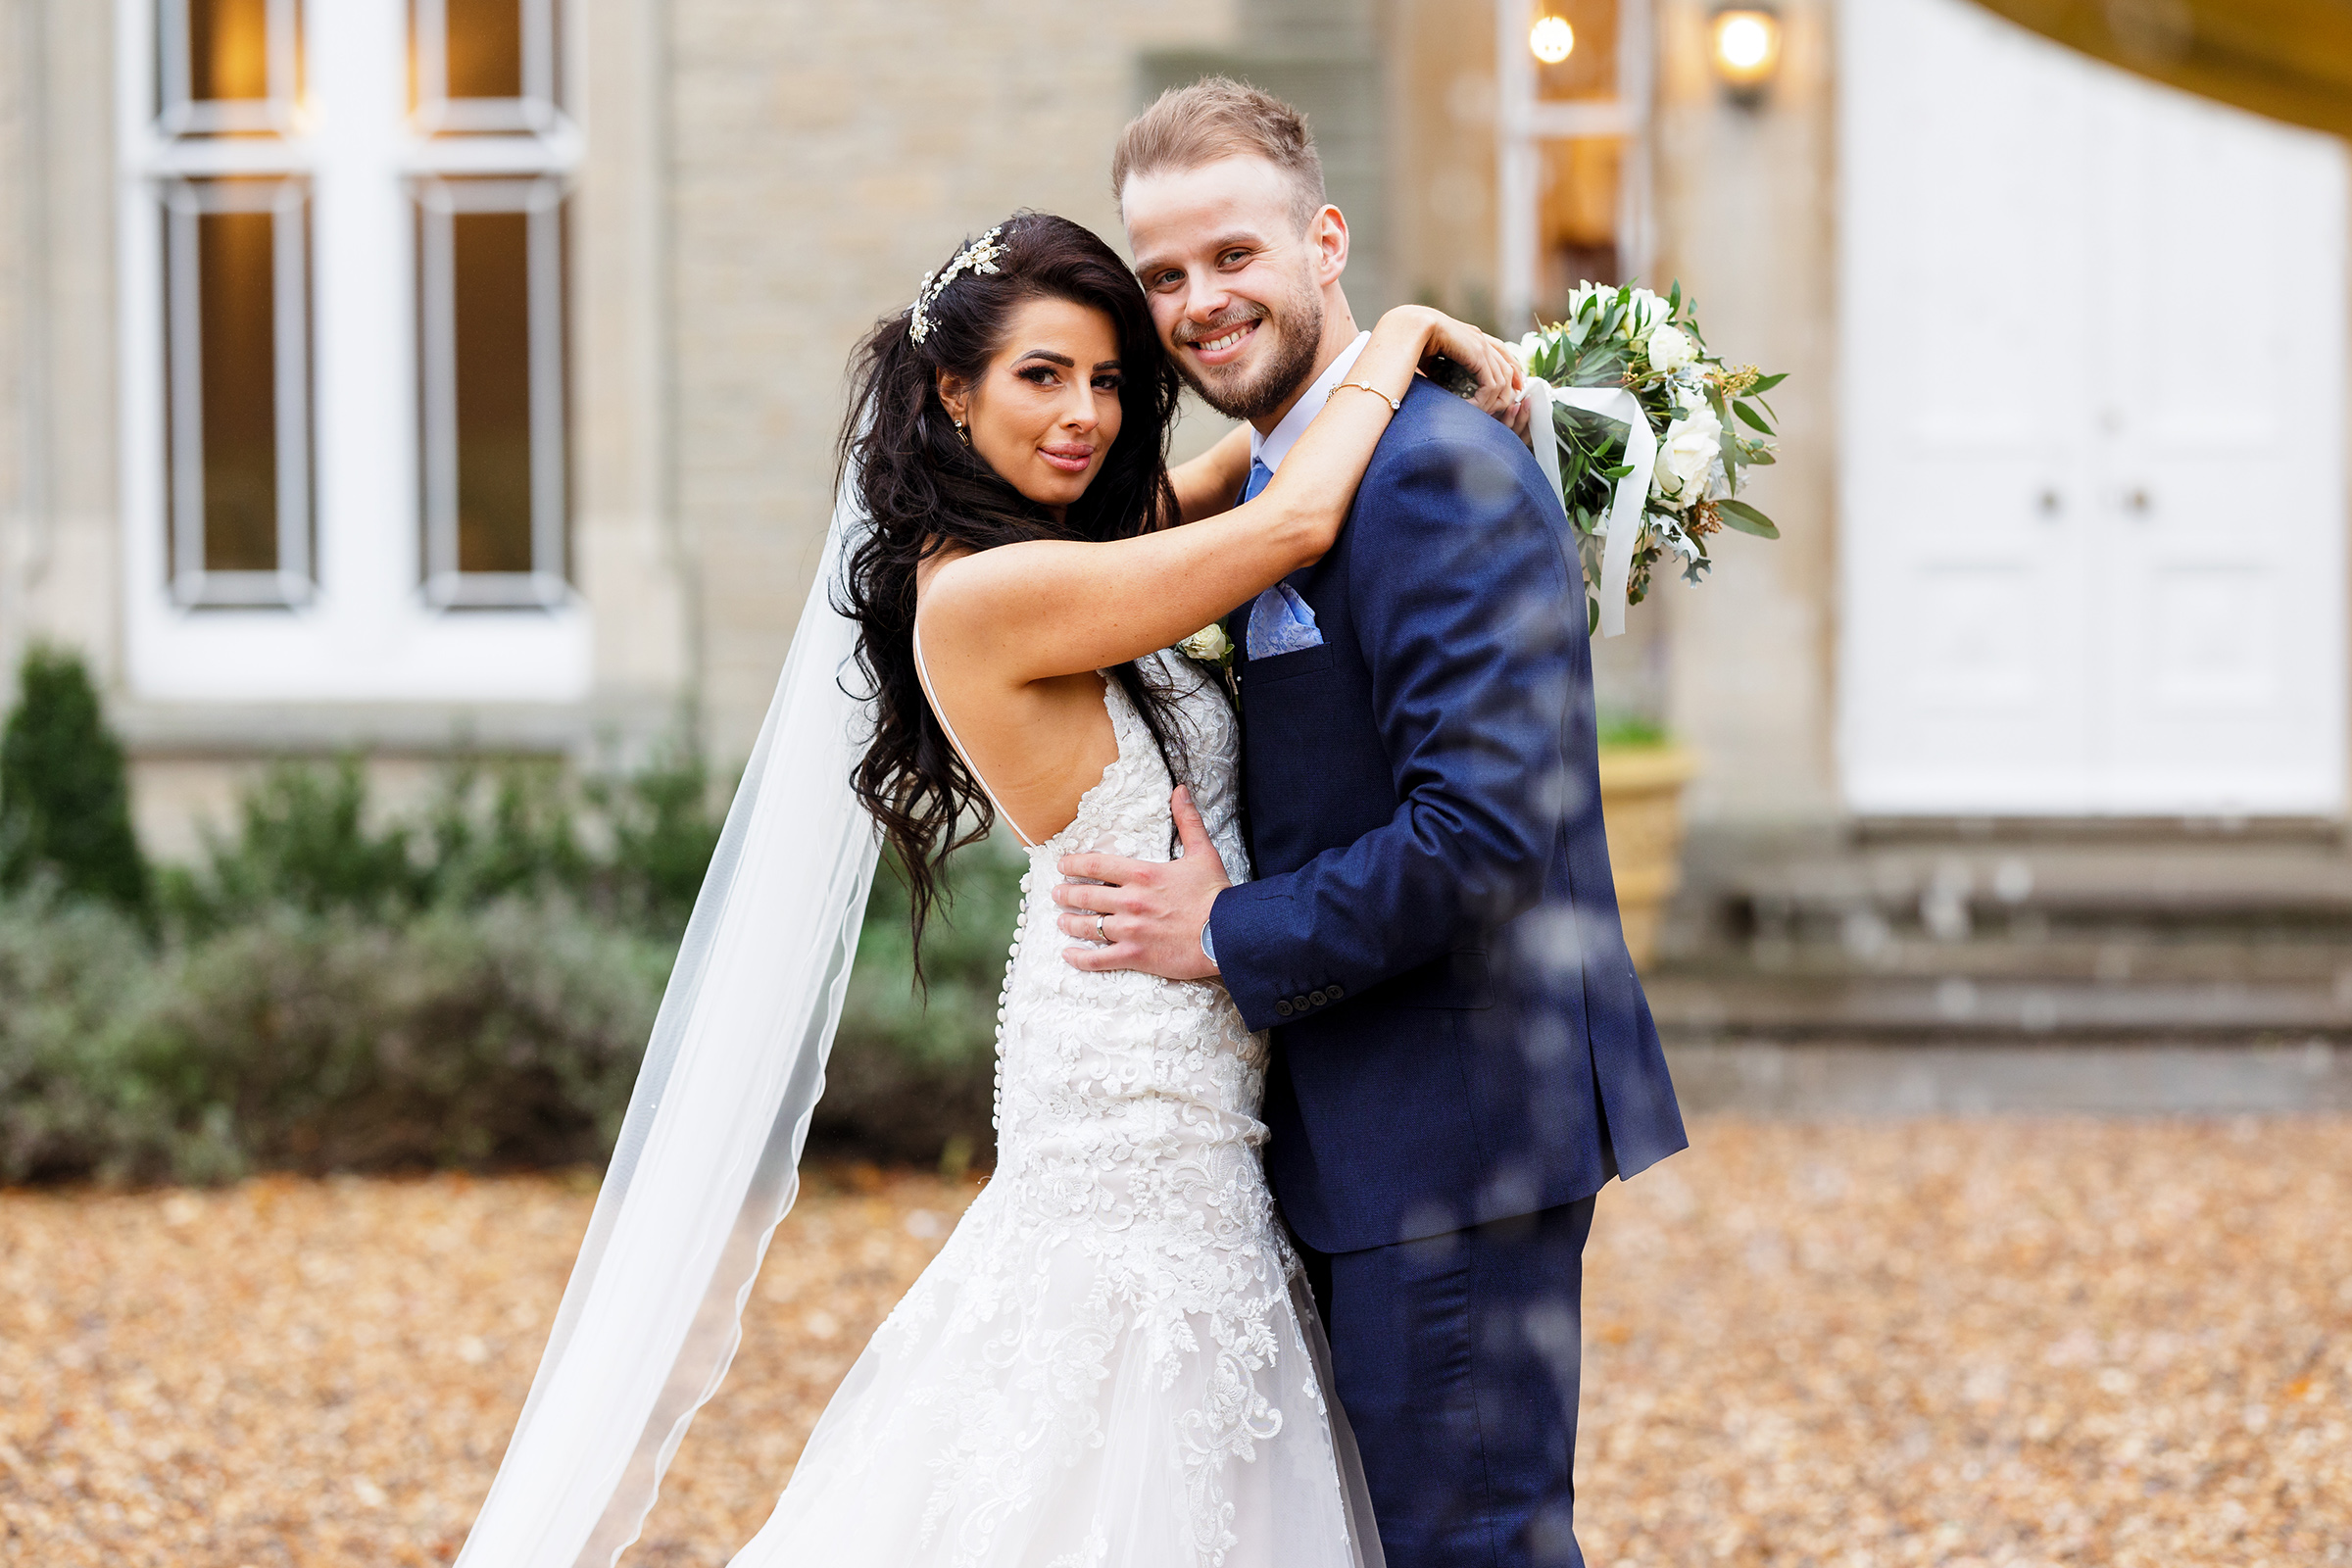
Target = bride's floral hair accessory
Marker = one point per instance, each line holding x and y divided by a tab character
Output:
980	256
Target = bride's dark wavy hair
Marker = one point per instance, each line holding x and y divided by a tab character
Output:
926	491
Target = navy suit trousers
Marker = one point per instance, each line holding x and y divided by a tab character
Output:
1458	1359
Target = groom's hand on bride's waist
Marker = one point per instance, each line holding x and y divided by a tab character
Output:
1145	914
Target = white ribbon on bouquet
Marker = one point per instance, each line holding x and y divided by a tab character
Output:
1624	524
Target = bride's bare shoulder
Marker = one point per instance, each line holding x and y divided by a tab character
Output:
938	587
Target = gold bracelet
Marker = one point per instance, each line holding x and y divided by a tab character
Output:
1395	405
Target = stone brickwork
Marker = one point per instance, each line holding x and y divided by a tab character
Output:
14	221
1747	220
827	154
59	548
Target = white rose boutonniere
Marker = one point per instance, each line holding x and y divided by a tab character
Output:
1686	458
1209	645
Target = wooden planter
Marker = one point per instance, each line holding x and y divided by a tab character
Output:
1641	804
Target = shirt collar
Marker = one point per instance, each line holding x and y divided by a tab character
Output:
1270	450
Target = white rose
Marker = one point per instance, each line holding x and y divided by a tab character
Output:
1686	459
1526	349
1670	349
1209	645
1641	309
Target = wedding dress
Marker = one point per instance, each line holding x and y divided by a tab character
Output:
1114	1361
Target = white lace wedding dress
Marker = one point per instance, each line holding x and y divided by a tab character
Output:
1114	1361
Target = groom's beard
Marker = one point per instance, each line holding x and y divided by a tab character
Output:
1284	365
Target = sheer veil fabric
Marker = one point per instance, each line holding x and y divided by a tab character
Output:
707	1160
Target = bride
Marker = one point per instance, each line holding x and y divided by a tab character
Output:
1115	1359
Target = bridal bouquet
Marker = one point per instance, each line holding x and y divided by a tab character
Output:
1646	442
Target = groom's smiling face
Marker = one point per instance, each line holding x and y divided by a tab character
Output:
1235	272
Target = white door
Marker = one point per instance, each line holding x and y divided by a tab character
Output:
2093	506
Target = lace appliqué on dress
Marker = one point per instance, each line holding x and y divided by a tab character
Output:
1114	1343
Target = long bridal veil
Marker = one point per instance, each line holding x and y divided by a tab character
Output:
705	1164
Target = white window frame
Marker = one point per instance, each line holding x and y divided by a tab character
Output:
1524	122
181	114
539	111
371	623
287	201
438	202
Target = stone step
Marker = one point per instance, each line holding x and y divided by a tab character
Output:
1896	1009
1953	890
1865	949
1864	1079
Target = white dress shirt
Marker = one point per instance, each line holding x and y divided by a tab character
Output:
1272	448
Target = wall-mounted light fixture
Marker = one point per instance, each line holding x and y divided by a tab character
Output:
1551	40
1744	43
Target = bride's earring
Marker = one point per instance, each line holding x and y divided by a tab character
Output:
964	433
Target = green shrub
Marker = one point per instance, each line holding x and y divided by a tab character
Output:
502	830
664	832
65	793
912	1075
1631	731
470	987
67	968
500	1035
303	841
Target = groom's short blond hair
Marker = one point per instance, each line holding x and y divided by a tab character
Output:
1217	117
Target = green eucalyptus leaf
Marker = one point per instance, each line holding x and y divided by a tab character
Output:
1747	518
1751	418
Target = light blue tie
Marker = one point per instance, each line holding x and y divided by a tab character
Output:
1280	621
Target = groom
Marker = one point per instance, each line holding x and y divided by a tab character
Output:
1463	1054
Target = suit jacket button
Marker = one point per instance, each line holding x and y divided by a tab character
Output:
1334	993
1299	1002
1318	998
1282	1009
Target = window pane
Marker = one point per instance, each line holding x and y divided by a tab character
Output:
228	49
236	357
491	280
238	374
485	48
490	313
1582	187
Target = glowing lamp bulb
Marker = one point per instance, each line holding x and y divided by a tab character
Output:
1551	39
1747	48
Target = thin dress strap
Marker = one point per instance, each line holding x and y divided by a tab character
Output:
922	673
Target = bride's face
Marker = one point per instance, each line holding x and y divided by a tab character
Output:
1045	410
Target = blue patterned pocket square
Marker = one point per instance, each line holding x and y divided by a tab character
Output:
1281	622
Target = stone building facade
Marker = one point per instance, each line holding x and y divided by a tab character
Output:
745	187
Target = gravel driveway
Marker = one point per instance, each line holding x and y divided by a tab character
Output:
2009	1342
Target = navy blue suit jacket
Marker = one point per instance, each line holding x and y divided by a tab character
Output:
1460	1035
